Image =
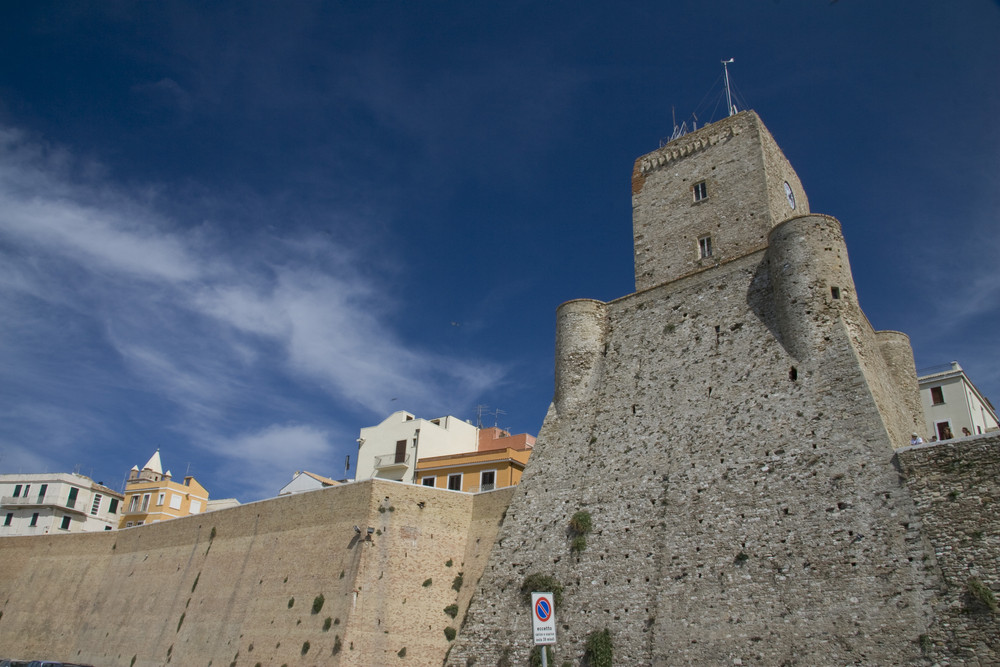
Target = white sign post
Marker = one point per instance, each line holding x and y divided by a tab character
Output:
543	622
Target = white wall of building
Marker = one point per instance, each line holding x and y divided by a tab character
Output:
377	446
69	504
949	397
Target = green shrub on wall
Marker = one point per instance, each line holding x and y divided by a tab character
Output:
541	583
318	603
981	594
580	523
598	650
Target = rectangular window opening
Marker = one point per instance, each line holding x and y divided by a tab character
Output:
65	523
455	482
71	501
41	491
937	395
487	480
700	191
427	481
17	490
97	504
400	451
8	519
705	247
34	519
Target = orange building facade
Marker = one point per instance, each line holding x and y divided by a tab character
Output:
498	462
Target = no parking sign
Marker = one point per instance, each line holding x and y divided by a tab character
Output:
543	618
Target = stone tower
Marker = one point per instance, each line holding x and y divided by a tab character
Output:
729	427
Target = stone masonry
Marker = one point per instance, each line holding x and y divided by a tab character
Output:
730	428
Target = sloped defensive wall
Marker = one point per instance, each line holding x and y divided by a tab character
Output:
239	586
172	594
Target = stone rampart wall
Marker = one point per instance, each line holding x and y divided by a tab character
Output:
744	502
956	488
238	586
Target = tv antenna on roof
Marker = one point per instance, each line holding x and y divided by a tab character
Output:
480	409
729	97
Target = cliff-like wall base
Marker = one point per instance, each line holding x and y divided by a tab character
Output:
282	581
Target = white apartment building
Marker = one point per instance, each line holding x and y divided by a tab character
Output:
39	504
390	450
953	407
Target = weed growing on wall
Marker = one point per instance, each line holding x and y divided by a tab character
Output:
451	610
305	647
541	583
318	604
427	582
981	594
457	582
450	633
291	602
580	524
327	623
402	652
598	650
336	645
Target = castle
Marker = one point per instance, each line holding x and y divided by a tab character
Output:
735	429
730	428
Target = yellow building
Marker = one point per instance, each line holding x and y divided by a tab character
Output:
151	495
474	471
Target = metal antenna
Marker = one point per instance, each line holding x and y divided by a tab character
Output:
480	409
496	417
730	109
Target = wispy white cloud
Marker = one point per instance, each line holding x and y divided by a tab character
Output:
200	323
267	458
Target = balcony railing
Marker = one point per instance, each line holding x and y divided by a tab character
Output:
34	501
392	461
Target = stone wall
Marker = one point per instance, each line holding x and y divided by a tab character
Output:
742	488
956	487
238	586
744	172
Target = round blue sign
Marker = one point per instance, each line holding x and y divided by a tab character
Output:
543	610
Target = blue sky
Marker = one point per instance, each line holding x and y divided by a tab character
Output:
239	232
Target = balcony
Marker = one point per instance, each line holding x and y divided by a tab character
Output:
35	502
391	461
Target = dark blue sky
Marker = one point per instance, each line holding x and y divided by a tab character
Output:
240	232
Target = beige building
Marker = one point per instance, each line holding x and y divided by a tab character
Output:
151	495
953	407
56	503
